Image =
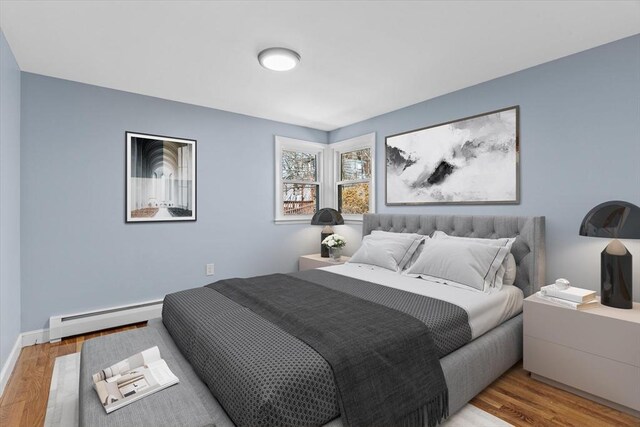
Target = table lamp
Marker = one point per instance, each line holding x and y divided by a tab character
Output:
326	217
614	220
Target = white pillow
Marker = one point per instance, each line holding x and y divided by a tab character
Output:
460	263
415	236
509	261
510	269
417	253
393	235
374	254
495	242
382	249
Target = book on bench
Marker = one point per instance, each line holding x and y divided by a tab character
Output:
132	379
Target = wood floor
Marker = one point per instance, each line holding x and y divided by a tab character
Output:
24	401
514	397
522	401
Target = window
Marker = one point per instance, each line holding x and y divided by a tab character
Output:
307	178
298	179
354	169
300	187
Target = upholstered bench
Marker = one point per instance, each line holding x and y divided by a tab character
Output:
188	403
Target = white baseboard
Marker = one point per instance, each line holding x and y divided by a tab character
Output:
22	340
38	336
66	325
10	363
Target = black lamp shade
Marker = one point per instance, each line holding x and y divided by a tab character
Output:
326	217
615	220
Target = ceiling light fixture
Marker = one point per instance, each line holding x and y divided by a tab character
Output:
278	59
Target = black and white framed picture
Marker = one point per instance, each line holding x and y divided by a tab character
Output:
161	178
474	160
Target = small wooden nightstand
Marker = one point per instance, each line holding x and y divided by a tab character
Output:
307	262
594	353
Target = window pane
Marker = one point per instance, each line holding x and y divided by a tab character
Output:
355	165
298	166
353	198
299	199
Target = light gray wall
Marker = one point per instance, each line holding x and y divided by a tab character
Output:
78	253
9	200
580	146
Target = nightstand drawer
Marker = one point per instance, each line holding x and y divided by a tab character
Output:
586	331
606	378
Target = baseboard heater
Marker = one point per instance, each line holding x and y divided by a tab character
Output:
91	321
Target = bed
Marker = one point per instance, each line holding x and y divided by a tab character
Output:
495	346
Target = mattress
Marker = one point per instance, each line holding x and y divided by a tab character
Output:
238	352
485	311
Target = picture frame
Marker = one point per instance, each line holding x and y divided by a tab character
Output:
467	161
161	174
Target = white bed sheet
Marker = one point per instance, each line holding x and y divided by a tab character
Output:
485	311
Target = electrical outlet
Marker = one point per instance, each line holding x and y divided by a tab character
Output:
210	270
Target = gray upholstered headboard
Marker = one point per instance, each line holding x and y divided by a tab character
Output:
528	249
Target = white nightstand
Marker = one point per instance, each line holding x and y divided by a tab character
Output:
307	262
594	353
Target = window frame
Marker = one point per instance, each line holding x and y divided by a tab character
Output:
367	141
290	144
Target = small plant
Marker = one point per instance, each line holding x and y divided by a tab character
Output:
334	241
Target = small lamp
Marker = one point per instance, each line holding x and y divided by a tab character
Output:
614	220
326	217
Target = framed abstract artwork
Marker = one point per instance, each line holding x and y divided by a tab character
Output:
161	178
474	160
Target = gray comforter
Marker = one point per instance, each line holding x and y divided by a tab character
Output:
261	374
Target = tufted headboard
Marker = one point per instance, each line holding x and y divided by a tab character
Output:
528	249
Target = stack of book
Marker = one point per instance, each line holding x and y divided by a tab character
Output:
575	298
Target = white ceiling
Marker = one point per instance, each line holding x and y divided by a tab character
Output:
359	59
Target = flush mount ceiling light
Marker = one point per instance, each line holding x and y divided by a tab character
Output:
278	59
